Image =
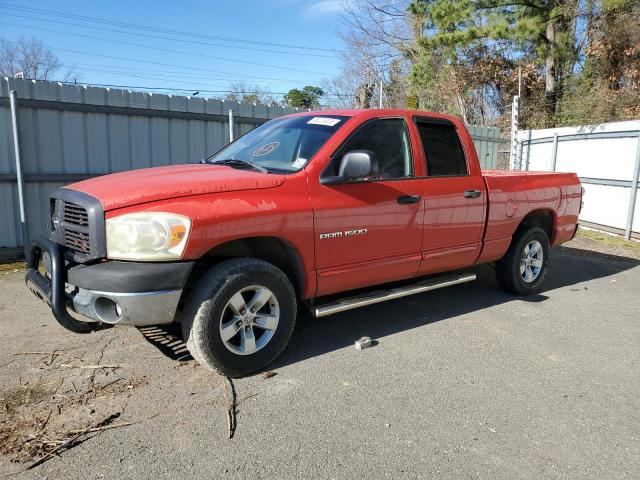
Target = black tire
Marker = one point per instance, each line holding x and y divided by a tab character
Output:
508	267
204	308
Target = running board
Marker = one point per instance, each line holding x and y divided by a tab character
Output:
380	296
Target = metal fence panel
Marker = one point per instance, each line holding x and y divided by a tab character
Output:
70	132
604	156
488	141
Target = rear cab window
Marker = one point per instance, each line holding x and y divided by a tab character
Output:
442	147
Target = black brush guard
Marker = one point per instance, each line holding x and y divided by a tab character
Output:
53	291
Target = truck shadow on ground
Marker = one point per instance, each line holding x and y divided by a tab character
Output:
167	339
313	337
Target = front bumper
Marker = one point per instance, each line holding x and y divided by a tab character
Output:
123	293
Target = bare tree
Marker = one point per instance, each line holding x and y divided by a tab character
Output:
31	58
340	91
379	38
247	93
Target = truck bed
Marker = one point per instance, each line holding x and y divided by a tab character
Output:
513	194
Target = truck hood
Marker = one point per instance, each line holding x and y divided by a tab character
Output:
134	187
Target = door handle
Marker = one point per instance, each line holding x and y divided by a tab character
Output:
407	199
471	193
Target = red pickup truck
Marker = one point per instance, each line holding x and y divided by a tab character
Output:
301	211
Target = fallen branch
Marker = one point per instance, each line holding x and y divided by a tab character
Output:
46	421
55	353
100	429
8	363
70	441
50	454
10	474
242	400
125	424
90	367
231	406
102	387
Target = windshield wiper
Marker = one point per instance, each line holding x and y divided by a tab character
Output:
236	162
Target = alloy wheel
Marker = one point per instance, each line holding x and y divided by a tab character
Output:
531	261
249	320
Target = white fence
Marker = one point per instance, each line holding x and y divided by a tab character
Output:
606	157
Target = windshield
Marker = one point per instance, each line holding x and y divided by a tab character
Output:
284	145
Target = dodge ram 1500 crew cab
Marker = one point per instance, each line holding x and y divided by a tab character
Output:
299	211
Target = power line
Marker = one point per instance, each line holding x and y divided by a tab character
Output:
180	52
173	89
195	86
115	69
85	18
151	77
163	64
160	37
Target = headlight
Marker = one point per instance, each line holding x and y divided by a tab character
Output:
147	236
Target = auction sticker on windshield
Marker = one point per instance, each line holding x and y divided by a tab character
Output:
329	122
265	149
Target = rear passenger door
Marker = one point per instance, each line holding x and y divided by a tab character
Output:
454	198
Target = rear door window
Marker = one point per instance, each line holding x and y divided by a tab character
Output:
442	148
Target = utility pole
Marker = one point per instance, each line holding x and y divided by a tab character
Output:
515	112
380	102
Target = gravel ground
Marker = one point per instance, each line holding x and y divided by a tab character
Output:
466	382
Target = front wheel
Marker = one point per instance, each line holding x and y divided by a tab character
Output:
240	316
522	269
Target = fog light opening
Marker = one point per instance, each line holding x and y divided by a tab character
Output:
109	311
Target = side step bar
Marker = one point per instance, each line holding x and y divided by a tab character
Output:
380	296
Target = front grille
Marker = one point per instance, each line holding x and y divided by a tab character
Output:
75	214
77	223
71	223
78	241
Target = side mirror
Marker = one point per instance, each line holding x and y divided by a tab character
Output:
354	165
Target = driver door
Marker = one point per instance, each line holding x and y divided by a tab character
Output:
370	231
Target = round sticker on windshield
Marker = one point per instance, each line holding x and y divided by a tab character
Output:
265	149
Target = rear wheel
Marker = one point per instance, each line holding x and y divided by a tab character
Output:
239	317
522	269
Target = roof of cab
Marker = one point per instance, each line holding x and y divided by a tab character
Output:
373	111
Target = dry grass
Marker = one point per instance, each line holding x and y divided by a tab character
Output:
613	241
13	266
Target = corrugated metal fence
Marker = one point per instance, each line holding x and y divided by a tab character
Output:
69	133
491	145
